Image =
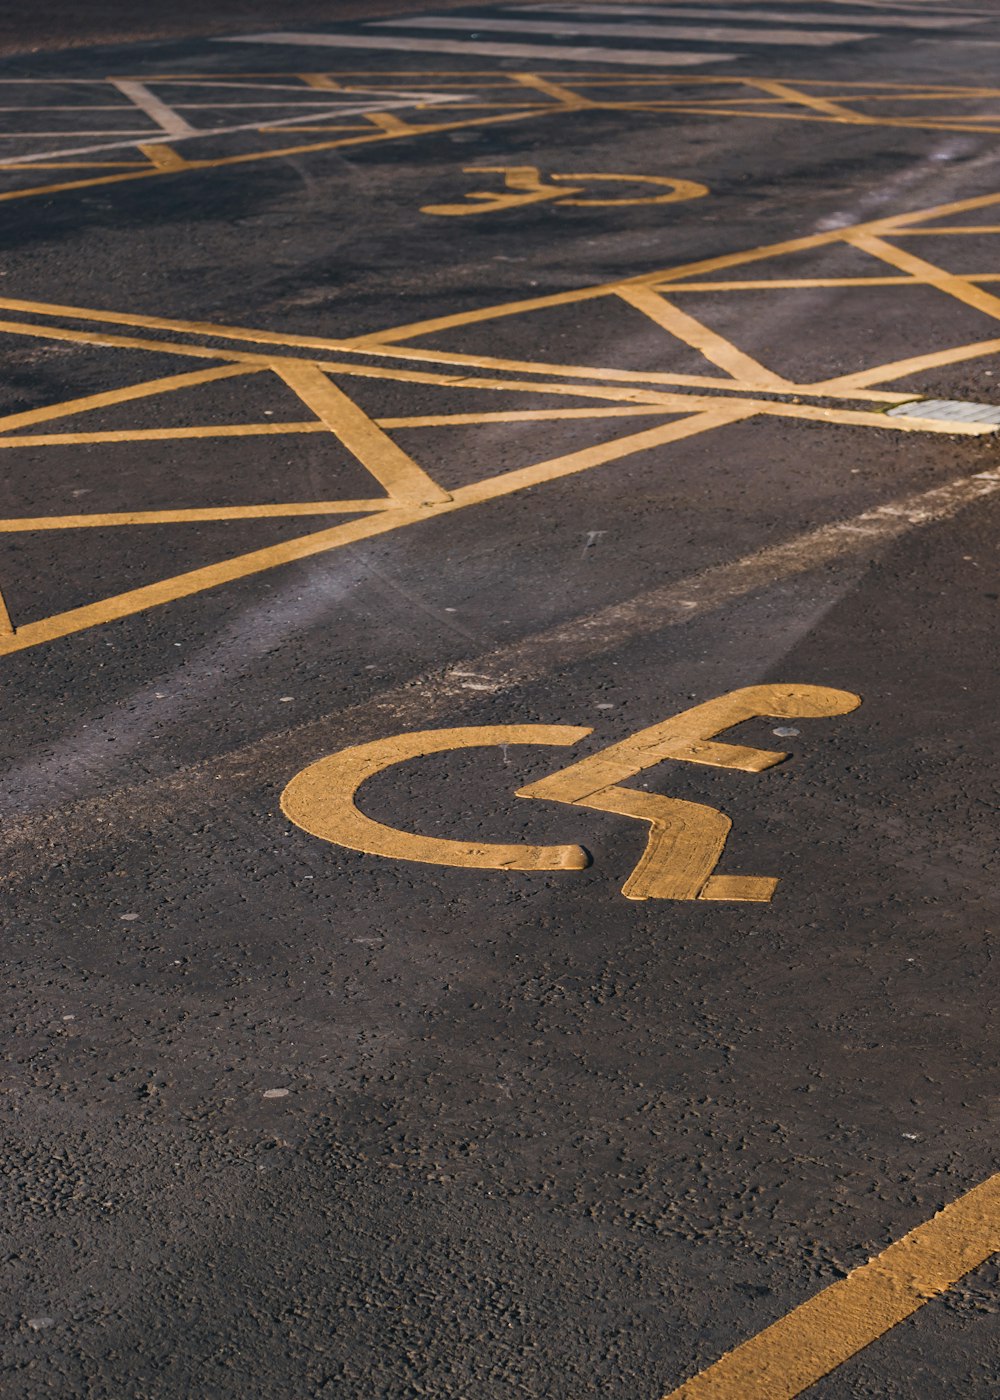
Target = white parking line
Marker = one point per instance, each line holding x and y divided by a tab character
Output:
696	33
703	12
310	114
169	121
643	58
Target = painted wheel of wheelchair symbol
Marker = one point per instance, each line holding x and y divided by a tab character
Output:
524	184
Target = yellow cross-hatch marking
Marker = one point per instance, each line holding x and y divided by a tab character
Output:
324	373
372	103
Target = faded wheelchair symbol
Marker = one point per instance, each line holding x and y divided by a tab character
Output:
524	184
686	839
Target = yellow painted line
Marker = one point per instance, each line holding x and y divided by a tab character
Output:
380	340
394	352
518	415
8	165
928	273
902	369
573	101
6	626
284	152
791	94
164	434
827	1330
20	524
943	229
393	468
780	284
244	565
109	397
714	347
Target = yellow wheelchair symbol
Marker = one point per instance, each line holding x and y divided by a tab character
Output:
686	839
525	185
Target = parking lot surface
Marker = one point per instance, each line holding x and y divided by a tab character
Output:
498	613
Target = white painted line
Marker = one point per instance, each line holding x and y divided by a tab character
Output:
169	121
353	110
687	33
702	12
643	58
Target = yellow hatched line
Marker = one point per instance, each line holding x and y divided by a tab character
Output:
848	384
160	434
827	1330
787	93
191	515
380	341
393	468
129	393
929	273
244	565
714	347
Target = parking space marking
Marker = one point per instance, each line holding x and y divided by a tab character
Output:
685	841
373	99
320	372
827	1330
524	185
433	695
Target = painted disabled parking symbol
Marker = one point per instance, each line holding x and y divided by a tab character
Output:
686	839
524	184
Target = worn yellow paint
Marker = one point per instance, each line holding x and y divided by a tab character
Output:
834	1325
525	185
686	839
322	800
678	190
164	157
6	626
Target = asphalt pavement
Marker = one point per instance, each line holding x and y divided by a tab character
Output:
498	614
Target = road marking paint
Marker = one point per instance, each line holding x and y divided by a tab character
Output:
644	58
827	1330
745	394
393	468
686	839
799	102
6	626
244	565
88	824
321	800
715	348
109	397
166	118
700	11
190	515
149	138
686	33
524	185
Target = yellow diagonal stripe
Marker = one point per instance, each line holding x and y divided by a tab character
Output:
820	1335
